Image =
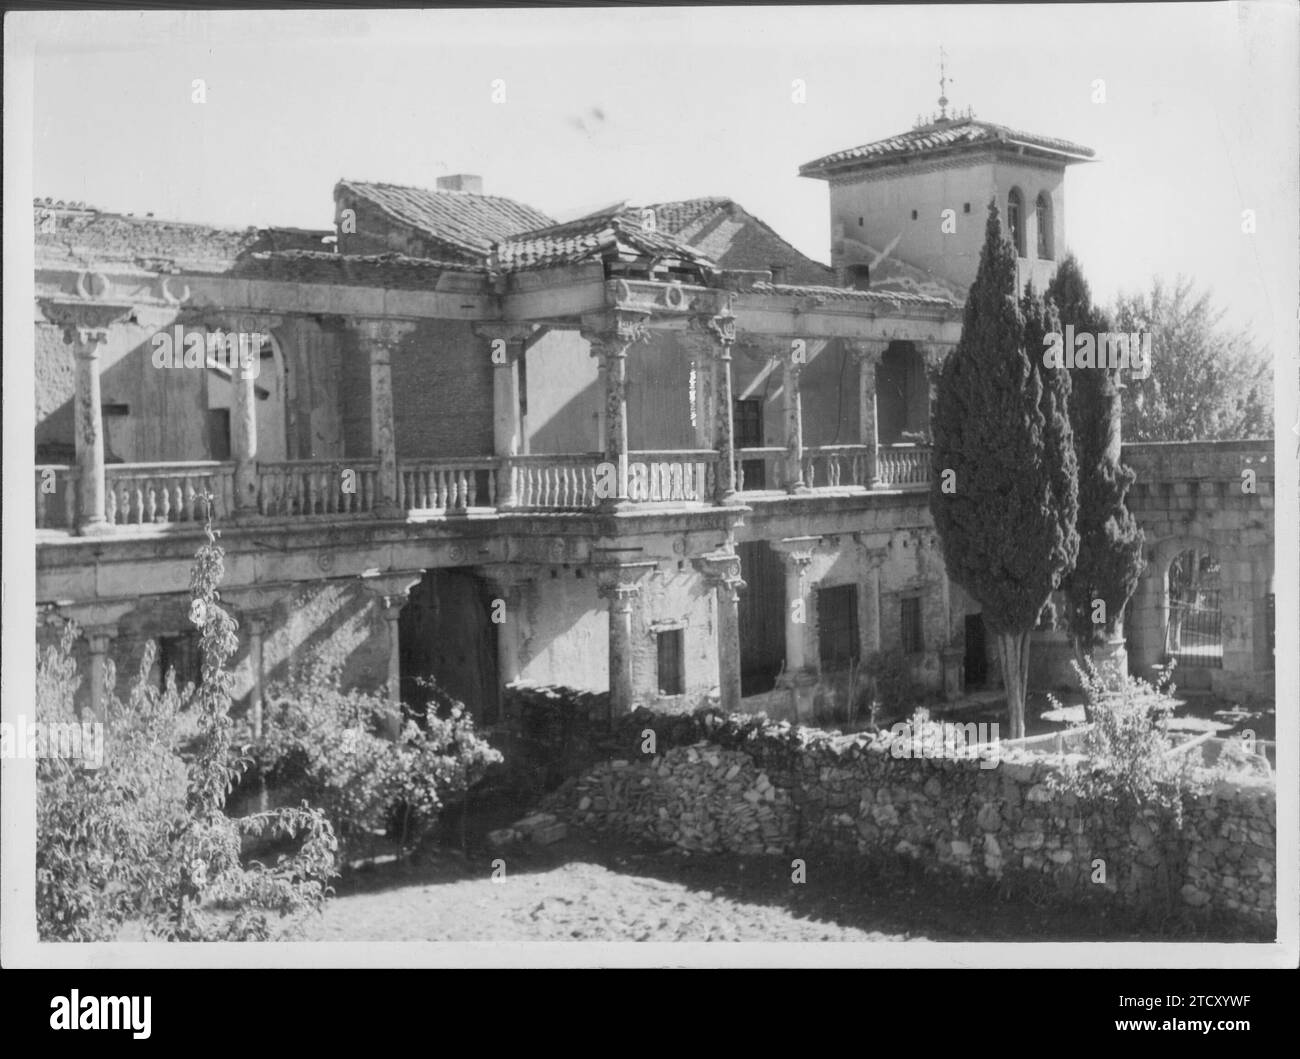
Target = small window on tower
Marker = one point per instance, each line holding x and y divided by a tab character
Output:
778	273
914	215
966	208
1043	211
1015	220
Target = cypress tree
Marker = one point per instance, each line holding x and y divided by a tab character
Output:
1110	541
1005	492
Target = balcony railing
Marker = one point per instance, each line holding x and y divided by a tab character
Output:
142	494
835	466
138	494
446	485
554	482
317	487
760	468
903	466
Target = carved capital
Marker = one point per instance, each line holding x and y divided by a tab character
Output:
797	552
621	583
85	324
514	335
612	332
720	570
382	333
867	350
392	589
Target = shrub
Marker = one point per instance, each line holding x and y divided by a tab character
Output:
895	688
1128	760
334	748
144	836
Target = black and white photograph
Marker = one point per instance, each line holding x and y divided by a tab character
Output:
652	486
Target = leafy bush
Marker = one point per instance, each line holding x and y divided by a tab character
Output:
895	687
333	747
144	837
1128	763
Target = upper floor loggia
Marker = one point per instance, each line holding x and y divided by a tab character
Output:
431	358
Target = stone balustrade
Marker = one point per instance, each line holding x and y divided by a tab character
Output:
142	494
317	487
904	466
446	485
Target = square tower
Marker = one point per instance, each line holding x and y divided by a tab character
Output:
921	199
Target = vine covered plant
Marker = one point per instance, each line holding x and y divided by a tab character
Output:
145	837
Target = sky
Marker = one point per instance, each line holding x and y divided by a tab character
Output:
1198	122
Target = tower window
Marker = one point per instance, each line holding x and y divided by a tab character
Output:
1015	220
859	222
966	208
859	277
914	215
1043	213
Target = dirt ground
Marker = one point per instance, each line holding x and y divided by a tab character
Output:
576	890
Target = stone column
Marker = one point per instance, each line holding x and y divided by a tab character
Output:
702	363
506	583
610	336
721	571
256	626
506	344
1146	619
621	585
381	337
717	334
790	372
85	328
245	367
99	638
392	591
98	623
255	604
869	613
867	353
800	676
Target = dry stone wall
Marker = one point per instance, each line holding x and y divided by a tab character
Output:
750	786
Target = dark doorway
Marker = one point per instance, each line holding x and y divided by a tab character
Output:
977	659
747	426
445	633
762	617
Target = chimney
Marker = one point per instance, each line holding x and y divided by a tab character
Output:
461	182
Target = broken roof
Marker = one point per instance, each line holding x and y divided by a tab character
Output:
461	218
616	232
944	136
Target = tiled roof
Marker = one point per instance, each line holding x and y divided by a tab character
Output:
850	294
472	222
942	135
394	271
616	231
727	233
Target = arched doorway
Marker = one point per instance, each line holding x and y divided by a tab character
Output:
902	396
1193	608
